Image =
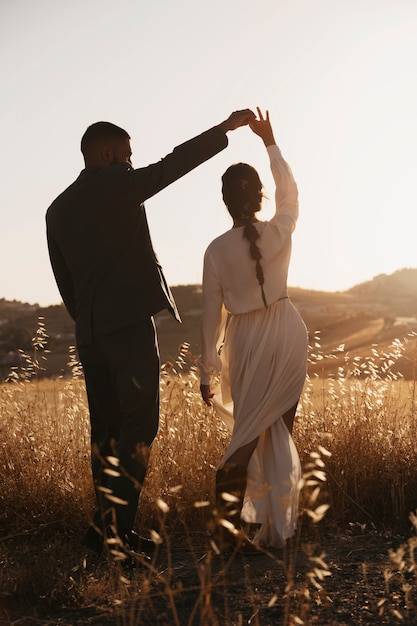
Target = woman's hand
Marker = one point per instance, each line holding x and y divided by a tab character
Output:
206	394
262	127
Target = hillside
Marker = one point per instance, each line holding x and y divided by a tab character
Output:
367	316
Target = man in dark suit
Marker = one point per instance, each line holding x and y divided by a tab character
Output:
112	285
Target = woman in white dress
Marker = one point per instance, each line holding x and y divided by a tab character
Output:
263	358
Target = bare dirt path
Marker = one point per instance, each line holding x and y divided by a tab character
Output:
343	578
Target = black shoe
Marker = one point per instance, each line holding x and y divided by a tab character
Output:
93	540
129	543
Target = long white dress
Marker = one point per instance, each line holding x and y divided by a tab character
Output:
263	360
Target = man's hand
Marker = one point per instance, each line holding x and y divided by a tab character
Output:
236	119
206	394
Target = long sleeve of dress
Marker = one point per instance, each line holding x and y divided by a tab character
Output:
286	192
213	321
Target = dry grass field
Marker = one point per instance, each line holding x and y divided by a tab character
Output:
352	561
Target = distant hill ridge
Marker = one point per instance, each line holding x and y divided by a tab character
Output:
401	283
376	312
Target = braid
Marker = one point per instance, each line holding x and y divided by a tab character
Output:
251	234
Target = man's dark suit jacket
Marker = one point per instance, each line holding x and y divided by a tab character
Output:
99	242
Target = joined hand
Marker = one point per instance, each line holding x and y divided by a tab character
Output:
237	119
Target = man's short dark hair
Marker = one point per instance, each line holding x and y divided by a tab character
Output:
100	132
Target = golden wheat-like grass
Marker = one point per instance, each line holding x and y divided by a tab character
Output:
355	433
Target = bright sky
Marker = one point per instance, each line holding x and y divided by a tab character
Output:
339	78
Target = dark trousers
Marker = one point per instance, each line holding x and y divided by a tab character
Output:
121	372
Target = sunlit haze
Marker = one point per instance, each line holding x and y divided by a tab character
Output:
338	77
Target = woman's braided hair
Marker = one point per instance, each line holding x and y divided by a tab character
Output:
242	194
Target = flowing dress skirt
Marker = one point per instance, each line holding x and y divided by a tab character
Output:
264	365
